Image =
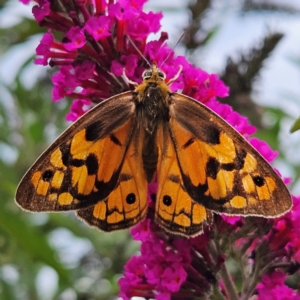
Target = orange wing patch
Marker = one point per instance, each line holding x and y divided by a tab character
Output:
127	203
175	211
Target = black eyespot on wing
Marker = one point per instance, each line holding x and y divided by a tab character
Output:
167	200
259	181
130	199
92	164
47	175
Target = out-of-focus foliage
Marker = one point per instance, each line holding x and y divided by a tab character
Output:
55	256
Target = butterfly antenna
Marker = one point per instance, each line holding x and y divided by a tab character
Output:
180	38
138	50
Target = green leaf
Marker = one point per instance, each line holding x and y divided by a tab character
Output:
32	242
296	126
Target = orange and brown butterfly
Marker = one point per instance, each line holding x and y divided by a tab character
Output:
101	165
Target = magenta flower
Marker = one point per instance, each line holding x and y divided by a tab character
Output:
117	10
98	27
128	62
77	109
43	50
264	149
51	49
42	10
273	286
76	39
144	25
141	231
160	267
64	83
90	50
240	123
173	277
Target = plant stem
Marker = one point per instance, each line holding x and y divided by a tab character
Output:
223	273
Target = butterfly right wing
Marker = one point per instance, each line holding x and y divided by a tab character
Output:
219	168
127	204
83	165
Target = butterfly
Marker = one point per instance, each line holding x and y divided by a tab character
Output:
102	164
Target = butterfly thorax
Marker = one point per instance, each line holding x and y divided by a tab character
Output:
152	100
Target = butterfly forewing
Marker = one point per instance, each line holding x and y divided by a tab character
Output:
219	168
127	204
83	165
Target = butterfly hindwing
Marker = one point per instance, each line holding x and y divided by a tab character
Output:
175	211
219	168
83	165
127	204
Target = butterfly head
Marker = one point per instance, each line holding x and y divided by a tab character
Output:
153	75
153	78
156	76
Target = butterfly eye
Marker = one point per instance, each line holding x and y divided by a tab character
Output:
162	75
147	74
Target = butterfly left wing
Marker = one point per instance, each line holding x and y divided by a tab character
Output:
83	165
219	168
175	210
127	204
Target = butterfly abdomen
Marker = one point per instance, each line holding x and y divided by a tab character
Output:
149	155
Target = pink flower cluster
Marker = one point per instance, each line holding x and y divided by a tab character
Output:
94	51
176	268
91	49
166	268
158	271
273	286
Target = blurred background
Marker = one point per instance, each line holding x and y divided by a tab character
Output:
252	45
